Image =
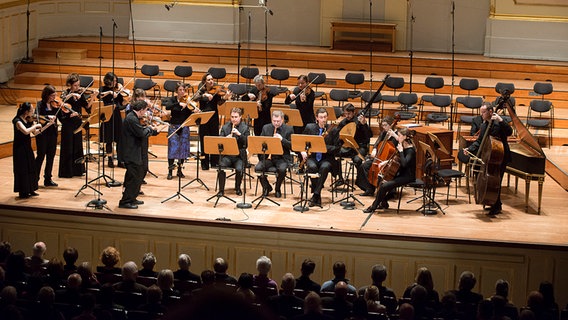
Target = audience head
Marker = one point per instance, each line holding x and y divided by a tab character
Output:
527	314
184	261
448	300
85	271
263	265
46	295
55	268
148	261
379	273
424	278
288	283
312	303
339	270
372	293
535	301
498	303
70	255
8	295
154	294
5	250
165	279
418	295
341	289
74	281
467	281
245	281
208	277
39	249
308	267
547	290
220	265
502	288
129	271
110	257
406	312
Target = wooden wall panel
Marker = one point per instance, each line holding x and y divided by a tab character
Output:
197	252
132	249
82	242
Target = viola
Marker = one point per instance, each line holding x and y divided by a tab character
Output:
263	94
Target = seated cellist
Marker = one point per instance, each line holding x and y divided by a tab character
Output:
406	157
386	141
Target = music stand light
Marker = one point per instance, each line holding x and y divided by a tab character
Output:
226	146
265	146
306	143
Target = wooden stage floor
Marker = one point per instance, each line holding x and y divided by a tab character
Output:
462	221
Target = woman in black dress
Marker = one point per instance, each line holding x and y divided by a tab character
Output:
46	143
72	143
25	175
112	93
263	95
303	97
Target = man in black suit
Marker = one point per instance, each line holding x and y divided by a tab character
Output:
279	163
239	130
132	136
321	163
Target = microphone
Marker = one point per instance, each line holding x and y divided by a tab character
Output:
114	24
171	5
167	7
101	30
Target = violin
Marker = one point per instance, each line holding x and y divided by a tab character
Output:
58	104
263	94
190	104
217	89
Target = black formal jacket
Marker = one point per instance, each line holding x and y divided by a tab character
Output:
363	132
286	132
132	137
332	142
178	113
242	139
500	130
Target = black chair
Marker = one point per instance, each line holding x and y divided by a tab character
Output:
433	83
544	108
238	90
281	75
184	72
339	95
355	79
146	281
170	87
393	83
147	84
217	73
442	102
316	79
130	300
186	286
86	81
407	102
417	184
446	175
366	98
249	73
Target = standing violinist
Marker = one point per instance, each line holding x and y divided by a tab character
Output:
112	93
262	94
178	143
46	142
303	97
72	143
501	130
322	163
210	97
239	130
387	136
25	176
405	174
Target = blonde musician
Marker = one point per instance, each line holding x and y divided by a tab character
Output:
406	173
277	128
262	94
239	130
387	134
303	97
322	163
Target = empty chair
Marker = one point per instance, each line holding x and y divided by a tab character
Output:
170	87
147	84
407	101
433	83
184	72
339	95
316	79
442	102
472	103
238	90
280	75
544	109
86	81
446	176
249	74
393	83
217	73
354	79
366	97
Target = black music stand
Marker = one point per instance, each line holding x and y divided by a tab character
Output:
265	146
225	146
197	119
85	160
429	204
306	143
178	194
344	202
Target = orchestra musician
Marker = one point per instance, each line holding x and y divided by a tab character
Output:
387	134
210	97
24	168
72	143
133	135
178	143
277	128
406	173
501	130
262	94
46	142
322	163
362	136
239	130
304	99
112	93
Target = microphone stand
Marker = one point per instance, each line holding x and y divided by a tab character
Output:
133	39
370	52
411	53
241	9
453	12
114	27
28	59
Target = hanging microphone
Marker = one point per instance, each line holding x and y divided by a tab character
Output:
101	30
114	23
171	5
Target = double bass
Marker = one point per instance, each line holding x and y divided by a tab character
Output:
385	151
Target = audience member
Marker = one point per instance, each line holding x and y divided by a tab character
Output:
313	309
128	283
339	271
5	250
15	267
55	274
535	303
87	308
547	290
183	273
406	312
36	263
70	255
165	282
467	299
263	286
71	294
286	304
88	278
420	302
148	263
371	297
153	303
110	257
448	307
485	310
220	266
360	311
499	311
45	308
527	314
207	283
244	289
106	303
424	278
502	290
386	295
339	303
304	282
8	308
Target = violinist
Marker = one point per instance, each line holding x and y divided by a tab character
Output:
210	97
46	142
25	175
133	136
178	144
239	130
262	94
406	173
322	163
501	130
303	97
112	93
387	135
72	144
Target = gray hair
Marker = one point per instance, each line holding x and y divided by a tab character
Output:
263	265
184	261
129	271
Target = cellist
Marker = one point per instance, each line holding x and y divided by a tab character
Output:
405	174
500	130
387	136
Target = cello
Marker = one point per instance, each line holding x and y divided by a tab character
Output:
385	151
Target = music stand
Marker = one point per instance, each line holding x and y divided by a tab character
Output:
294	118
350	142
250	109
178	194
226	146
265	146
306	143
331	116
102	114
85	160
429	189
197	119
